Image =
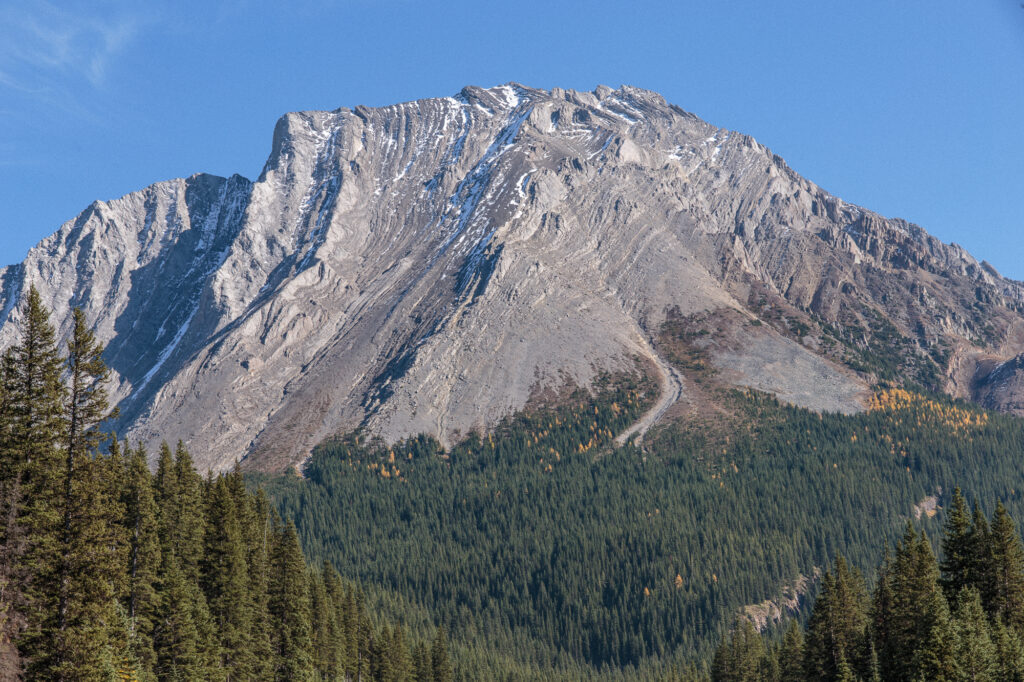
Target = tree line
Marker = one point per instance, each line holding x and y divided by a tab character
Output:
109	571
960	618
542	539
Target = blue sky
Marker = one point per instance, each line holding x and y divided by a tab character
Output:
912	108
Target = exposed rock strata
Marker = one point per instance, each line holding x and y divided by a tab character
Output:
421	267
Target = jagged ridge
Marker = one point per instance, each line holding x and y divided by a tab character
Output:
423	267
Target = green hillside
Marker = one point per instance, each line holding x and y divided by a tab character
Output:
545	542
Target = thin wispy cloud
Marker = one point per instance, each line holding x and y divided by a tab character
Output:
43	45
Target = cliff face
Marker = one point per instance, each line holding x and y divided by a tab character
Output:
423	267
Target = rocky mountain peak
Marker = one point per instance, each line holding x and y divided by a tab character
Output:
425	266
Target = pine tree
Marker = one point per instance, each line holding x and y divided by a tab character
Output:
838	626
1006	599
975	652
226	583
918	617
1009	654
289	607
980	564
88	565
739	657
791	654
422	669
439	661
141	528
177	637
190	521
957	553
936	659
257	530
32	450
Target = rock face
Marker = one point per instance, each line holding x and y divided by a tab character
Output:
423	267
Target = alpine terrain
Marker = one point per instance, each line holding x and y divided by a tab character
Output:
433	266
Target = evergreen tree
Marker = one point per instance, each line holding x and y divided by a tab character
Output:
838	627
183	638
740	656
1006	597
956	566
980	564
883	639
35	400
439	661
874	667
1009	654
177	635
190	521
12	578
88	567
936	659
226	582
975	652
844	671
258	537
422	669
401	658
917	622
791	654
289	606
140	528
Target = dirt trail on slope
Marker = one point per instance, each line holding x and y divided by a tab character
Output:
671	385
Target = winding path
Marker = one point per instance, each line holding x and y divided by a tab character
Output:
671	385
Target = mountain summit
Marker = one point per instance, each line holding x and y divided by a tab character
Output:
429	266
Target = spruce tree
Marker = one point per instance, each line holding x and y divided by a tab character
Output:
936	658
1009	653
975	652
980	564
12	578
439	660
36	402
791	654
883	635
1006	598
289	606
401	658
422	669
957	555
183	635
330	638
226	582
141	528
838	626
918	617
190	521
88	566
259	539
177	636
739	657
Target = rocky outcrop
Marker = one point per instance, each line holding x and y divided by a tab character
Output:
422	267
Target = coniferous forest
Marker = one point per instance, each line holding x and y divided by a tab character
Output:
588	560
540	550
960	618
109	571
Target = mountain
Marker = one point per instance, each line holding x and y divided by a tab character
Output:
432	266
